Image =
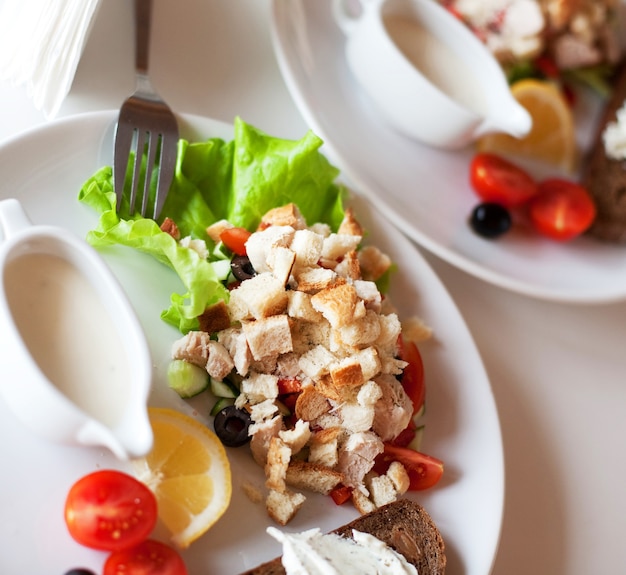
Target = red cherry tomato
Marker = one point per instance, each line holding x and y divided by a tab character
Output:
497	180
424	471
562	209
110	510
235	240
148	558
413	374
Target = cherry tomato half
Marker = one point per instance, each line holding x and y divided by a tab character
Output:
497	180
562	209
110	510
148	558
235	240
424	471
413	374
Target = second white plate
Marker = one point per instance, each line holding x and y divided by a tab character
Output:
425	191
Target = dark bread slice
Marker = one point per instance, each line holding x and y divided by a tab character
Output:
403	525
605	178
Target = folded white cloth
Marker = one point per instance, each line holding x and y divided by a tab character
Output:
41	42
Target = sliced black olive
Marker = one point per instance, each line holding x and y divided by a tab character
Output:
490	220
80	572
242	268
231	426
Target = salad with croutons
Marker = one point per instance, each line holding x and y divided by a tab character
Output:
285	319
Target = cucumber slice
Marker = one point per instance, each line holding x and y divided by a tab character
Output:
220	404
186	379
417	440
222	389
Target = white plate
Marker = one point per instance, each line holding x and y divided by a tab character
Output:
45	169
425	191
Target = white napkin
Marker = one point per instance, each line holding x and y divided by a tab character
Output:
41	42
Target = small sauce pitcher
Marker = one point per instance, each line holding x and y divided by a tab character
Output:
430	77
76	366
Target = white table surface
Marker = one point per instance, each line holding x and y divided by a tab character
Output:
557	371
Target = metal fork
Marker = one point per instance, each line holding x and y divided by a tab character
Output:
144	120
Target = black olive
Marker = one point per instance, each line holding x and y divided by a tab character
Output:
490	220
231	426
80	572
242	268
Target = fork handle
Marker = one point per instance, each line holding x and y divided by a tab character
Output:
143	15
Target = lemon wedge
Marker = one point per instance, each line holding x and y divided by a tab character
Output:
189	473
552	139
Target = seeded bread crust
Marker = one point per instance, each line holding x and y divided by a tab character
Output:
403	525
605	178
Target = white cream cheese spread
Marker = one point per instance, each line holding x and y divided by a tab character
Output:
614	136
313	553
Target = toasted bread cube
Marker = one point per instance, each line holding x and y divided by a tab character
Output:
336	246
347	372
268	337
374	263
297	437
306	475
323	447
192	347
278	457
300	307
261	296
382	490
370	362
235	342
362	502
349	224
311	404
262	434
282	506
337	304
416	330
215	318
399	477
368	292
357	418
308	247
280	260
316	362
314	279
364	331
287	215
214	231
349	267
258	387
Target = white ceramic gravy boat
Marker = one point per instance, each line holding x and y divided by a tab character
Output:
427	73
75	364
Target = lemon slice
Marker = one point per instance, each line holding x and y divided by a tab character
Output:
189	473
552	139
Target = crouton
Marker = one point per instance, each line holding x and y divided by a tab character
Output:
262	434
337	304
305	475
336	246
280	261
297	437
260	296
356	417
214	318
349	224
287	215
261	412
253	492
214	231
362	502
323	447
399	477
347	372
374	263
363	331
268	337
370	362
308	247
382	490
316	362
198	246
416	330
258	387
278	457
282	506
368	292
299	307
314	279
349	267
311	404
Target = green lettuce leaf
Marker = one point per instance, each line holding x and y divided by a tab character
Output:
238	181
